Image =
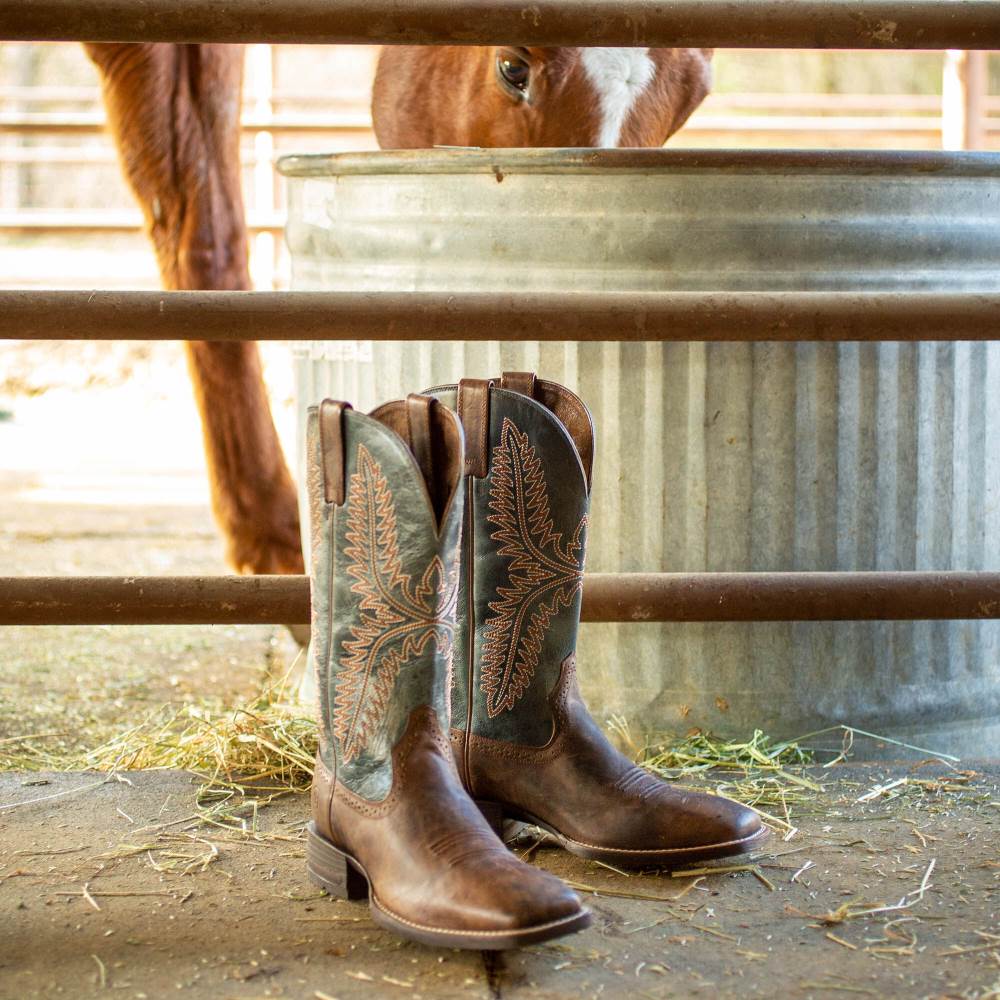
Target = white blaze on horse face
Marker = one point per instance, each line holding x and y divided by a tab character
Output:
619	76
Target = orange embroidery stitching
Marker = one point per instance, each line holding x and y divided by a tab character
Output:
544	575
398	620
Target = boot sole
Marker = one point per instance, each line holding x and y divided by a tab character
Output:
343	877
498	816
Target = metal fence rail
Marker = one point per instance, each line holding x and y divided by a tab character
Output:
715	124
92	123
607	597
476	316
97	222
865	24
861	24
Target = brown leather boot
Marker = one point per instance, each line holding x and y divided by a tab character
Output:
525	745
391	821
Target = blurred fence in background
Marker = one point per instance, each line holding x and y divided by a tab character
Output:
67	220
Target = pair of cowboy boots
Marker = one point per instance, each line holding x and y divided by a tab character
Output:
447	570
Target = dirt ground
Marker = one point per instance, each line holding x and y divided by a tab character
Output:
101	472
127	886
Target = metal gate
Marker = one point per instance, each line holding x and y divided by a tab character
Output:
580	316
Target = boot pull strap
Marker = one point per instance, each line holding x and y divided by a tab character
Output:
331	445
418	427
522	382
474	412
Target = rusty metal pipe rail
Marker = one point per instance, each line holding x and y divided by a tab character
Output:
473	316
852	24
607	597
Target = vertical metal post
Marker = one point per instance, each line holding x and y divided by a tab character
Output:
976	85
14	174
260	94
963	100
952	101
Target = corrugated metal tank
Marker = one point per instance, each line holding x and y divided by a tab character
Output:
723	456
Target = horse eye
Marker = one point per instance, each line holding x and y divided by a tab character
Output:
513	71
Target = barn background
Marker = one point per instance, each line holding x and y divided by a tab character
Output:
61	192
84	491
153	883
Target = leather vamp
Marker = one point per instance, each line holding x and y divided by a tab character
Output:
429	850
580	785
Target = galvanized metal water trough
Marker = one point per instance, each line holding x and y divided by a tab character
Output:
726	456
644	220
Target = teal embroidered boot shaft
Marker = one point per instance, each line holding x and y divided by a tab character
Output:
391	820
524	742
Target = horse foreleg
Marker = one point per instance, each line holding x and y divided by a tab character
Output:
175	114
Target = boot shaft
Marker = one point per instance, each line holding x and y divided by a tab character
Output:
529	455
385	494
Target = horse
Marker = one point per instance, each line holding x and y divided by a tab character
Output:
507	97
174	112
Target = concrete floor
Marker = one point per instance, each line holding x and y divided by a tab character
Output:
120	888
116	888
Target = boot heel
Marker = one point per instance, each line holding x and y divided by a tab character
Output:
333	870
493	814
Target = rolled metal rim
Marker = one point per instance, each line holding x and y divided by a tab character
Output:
502	162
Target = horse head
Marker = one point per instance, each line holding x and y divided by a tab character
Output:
505	96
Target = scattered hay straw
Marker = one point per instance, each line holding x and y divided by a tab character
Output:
620	893
879	790
846	944
708	870
804	868
29	737
853	909
762	878
102	973
838	986
849	732
56	795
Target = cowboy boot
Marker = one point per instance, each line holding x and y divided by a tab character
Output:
525	745
391	821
